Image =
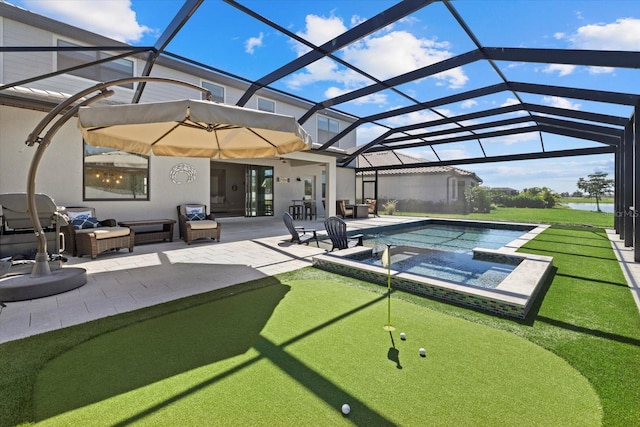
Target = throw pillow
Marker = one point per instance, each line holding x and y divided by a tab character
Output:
78	214
194	210
195	216
88	222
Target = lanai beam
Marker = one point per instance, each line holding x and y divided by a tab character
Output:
504	158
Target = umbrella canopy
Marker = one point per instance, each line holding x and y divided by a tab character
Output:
192	128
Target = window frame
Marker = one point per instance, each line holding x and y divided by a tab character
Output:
97	73
273	103
324	135
107	169
211	85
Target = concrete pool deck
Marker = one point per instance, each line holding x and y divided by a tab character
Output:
155	273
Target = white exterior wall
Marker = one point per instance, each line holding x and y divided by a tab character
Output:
61	180
437	188
60	173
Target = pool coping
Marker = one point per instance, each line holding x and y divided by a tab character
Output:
513	297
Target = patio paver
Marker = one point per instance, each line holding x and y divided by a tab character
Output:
154	273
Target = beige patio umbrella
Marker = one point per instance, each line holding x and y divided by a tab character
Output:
192	128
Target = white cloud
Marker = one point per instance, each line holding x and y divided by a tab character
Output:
510	101
111	18
319	30
417	117
367	133
623	34
374	98
252	43
468	103
601	70
401	50
557	101
561	69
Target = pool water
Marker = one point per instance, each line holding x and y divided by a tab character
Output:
445	252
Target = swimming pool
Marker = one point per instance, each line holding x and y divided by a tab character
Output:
444	250
469	263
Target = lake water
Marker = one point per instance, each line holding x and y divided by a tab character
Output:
604	207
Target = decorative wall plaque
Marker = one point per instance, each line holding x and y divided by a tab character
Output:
184	168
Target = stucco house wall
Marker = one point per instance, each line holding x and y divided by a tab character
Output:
60	172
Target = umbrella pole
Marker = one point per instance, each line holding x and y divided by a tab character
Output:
41	266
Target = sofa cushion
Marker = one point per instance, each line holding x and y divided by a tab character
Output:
106	232
203	224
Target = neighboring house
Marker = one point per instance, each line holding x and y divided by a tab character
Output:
439	187
140	187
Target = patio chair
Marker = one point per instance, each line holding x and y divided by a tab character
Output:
372	206
337	231
299	234
18	242
343	211
86	235
194	223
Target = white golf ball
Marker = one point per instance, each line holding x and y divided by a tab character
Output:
423	352
403	336
346	409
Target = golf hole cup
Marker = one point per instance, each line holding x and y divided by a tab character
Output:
403	336
346	409
422	352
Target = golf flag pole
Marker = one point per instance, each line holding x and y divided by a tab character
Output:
386	262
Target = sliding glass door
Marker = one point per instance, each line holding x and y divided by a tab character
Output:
259	195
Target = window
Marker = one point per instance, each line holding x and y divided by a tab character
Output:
106	71
453	189
114	175
327	129
217	91
266	105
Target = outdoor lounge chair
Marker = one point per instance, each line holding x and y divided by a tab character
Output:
343	211
372	206
337	231
299	234
194	223
86	235
18	243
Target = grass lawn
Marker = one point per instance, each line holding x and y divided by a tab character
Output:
295	347
560	215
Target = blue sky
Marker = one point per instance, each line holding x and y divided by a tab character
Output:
223	37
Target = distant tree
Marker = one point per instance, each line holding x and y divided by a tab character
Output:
478	199
564	194
596	186
577	194
547	195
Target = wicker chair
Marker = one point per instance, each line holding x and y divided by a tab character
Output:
372	206
337	231
194	226
107	235
343	211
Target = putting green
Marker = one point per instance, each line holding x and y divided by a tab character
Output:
293	353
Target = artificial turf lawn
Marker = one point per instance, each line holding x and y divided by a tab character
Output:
293	353
587	317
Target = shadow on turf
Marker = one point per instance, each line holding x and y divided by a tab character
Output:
155	349
394	354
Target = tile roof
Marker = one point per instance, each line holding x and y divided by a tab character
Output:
390	158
